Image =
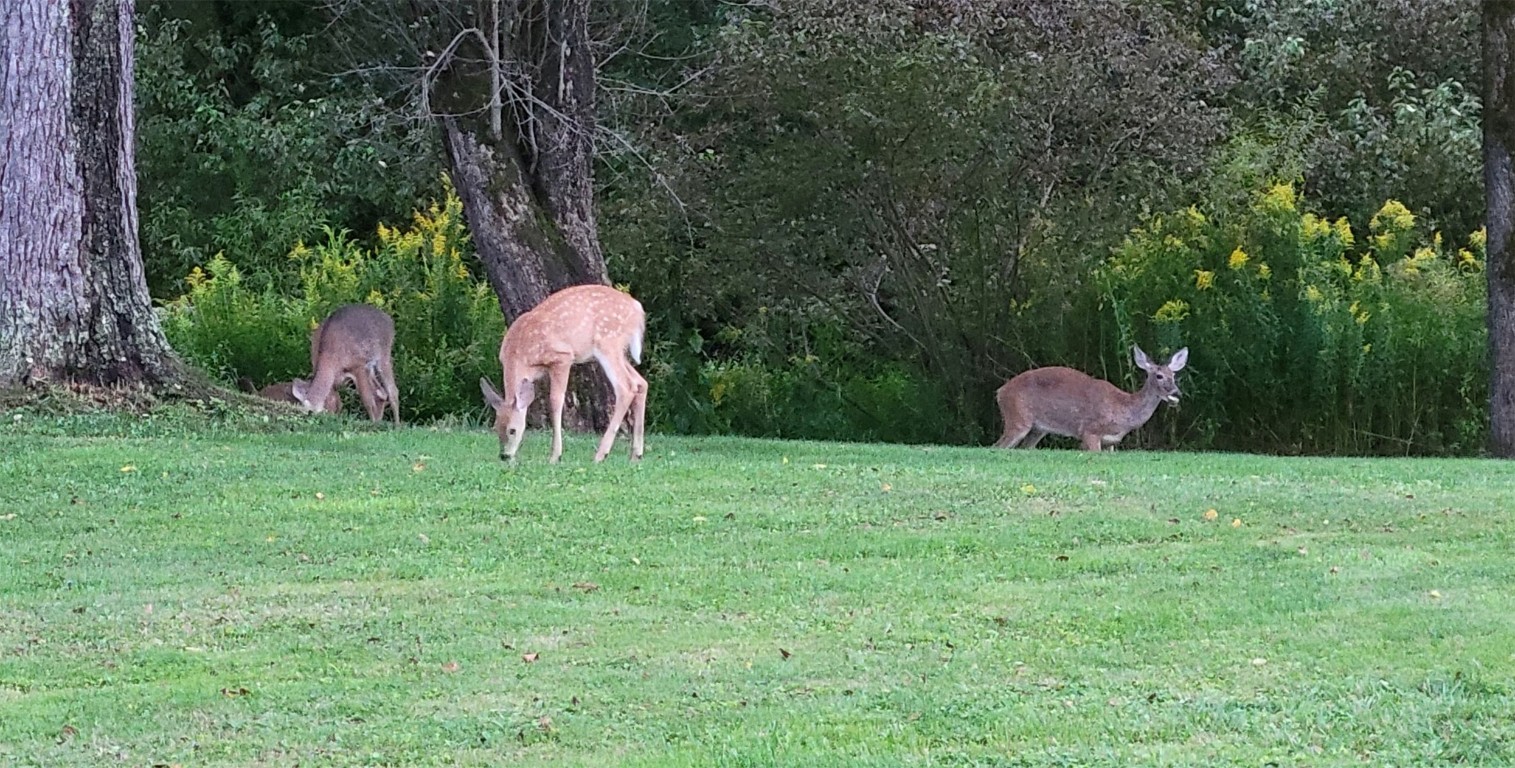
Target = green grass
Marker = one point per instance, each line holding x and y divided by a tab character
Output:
344	596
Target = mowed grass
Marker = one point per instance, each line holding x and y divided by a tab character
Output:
345	596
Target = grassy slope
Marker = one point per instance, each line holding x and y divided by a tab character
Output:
367	598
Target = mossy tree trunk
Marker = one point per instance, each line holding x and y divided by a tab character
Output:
518	126
1499	185
74	304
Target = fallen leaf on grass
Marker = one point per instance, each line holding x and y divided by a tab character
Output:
451	666
68	732
320	496
784	654
128	468
419	466
1211	514
587	586
886	487
1028	489
1236	523
1434	594
529	657
1259	662
544	724
424	538
232	693
700	518
11	516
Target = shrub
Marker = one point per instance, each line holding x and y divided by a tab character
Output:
1305	338
447	323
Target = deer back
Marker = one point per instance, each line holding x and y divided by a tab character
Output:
574	323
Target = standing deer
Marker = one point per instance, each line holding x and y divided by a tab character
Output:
1066	402
355	342
574	325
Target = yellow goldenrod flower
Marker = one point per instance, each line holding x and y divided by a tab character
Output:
1264	271
1238	259
1392	217
1278	199
1203	279
1344	232
1314	228
1172	311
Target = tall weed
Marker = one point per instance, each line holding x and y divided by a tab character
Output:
447	322
1305	338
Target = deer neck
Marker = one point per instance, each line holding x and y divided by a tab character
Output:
321	384
1141	404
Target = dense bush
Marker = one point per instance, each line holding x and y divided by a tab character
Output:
447	322
246	143
1305	337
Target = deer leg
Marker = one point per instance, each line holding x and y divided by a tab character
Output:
625	392
558	394
1015	431
1092	442
386	375
1032	439
638	414
365	385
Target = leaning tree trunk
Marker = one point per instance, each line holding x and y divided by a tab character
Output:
1499	183
73	301
527	190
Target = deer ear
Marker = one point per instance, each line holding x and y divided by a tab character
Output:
298	388
1180	359
526	390
1141	358
491	397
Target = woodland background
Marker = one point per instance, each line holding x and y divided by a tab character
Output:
854	220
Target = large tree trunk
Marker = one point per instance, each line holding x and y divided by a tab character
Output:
1499	182
73	302
528	192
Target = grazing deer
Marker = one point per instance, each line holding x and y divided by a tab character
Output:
282	392
574	325
355	343
1066	402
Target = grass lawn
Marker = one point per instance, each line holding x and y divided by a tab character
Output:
202	596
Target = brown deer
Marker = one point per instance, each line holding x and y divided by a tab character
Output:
1063	401
282	392
574	325
355	342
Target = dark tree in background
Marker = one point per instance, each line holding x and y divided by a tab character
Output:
73	302
1499	181
512	87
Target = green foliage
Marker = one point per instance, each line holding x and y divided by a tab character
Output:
866	171
246	145
447	323
1304	339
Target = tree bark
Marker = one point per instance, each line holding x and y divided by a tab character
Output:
528	193
74	304
1499	185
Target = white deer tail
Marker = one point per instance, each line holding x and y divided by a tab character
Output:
635	347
